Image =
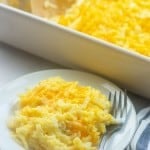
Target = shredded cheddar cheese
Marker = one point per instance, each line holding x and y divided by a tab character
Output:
123	22
61	115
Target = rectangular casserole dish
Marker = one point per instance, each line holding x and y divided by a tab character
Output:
74	49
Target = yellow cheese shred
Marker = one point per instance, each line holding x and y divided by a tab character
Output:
61	115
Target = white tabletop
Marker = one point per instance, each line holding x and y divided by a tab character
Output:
15	63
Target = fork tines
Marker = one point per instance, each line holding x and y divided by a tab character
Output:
119	105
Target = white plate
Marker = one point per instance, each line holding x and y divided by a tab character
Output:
74	49
9	94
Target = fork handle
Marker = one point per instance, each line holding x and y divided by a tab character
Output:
106	136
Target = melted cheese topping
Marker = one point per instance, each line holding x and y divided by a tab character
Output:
57	114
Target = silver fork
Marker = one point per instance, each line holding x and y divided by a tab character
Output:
120	111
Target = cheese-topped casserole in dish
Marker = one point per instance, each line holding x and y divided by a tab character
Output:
125	23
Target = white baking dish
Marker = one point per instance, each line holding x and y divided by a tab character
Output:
73	49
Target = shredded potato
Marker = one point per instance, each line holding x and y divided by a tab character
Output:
61	115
